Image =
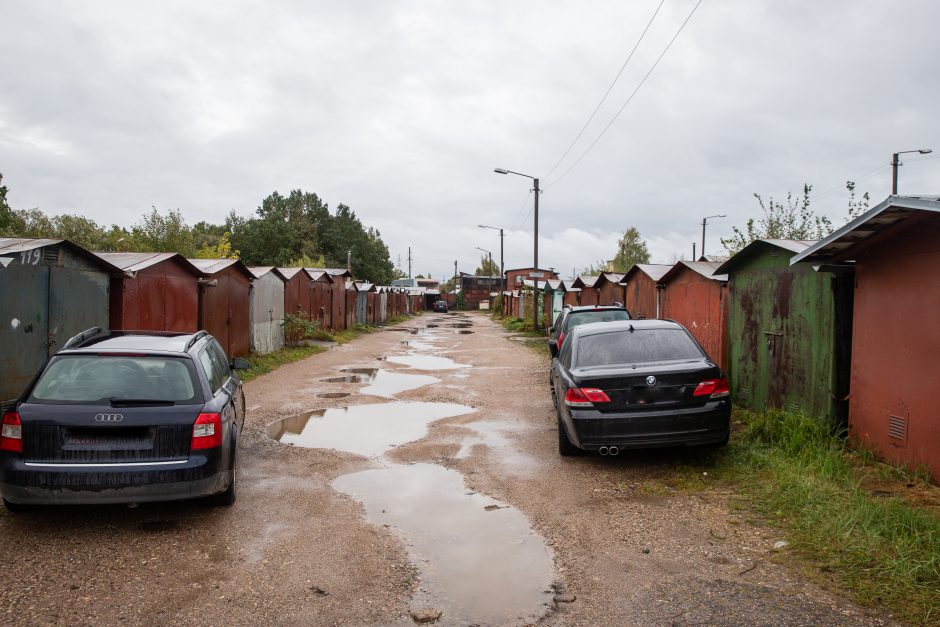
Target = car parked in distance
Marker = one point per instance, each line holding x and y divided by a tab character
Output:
440	306
125	417
571	317
637	384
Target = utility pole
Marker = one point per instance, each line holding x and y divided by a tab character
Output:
895	162
693	251
455	276
704	222
409	262
535	293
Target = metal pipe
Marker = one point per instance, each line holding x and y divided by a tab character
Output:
603	450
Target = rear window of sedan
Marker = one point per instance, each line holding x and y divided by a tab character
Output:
105	378
577	318
638	346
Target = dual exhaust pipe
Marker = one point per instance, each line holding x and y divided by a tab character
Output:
609	450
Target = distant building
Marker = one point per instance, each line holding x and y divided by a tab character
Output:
516	276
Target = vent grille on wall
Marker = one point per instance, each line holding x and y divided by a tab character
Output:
50	255
744	394
897	427
794	408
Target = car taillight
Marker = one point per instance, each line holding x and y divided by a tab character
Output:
561	338
585	397
207	431
11	435
714	388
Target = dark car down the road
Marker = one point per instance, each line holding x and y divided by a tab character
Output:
571	317
440	306
637	384
125	418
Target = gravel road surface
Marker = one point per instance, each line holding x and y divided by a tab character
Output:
472	518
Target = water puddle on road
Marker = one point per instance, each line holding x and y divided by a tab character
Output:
425	362
480	561
493	435
332	394
368	430
382	382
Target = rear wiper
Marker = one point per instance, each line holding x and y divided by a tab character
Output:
141	402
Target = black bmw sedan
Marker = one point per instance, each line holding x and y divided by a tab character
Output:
637	384
125	418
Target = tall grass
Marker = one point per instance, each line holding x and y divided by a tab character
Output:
801	476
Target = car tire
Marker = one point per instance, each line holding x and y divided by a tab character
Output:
227	498
15	508
565	447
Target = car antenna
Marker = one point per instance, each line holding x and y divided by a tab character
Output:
631	328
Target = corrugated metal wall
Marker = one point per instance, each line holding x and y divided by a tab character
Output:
161	297
267	313
641	296
49	295
223	311
896	348
698	304
781	334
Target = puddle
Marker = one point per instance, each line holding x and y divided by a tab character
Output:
462	325
480	562
389	383
333	394
368	430
464	331
425	362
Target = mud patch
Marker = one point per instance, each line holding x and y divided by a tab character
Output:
333	394
368	430
480	561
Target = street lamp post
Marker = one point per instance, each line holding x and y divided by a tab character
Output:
704	222
502	276
535	245
895	162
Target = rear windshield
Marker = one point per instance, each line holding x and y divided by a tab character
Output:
104	378
577	318
639	346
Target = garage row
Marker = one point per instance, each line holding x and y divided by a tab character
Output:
54	289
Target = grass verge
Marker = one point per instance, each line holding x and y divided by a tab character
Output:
536	340
263	364
803	479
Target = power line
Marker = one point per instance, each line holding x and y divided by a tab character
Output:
519	213
606	93
624	106
858	179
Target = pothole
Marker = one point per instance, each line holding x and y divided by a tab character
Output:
480	561
464	331
425	362
368	430
388	383
333	394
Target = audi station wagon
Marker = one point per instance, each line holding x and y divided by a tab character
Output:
637	384
125	417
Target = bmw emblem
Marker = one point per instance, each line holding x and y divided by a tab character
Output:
651	380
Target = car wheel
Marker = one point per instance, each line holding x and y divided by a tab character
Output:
13	508
228	497
565	447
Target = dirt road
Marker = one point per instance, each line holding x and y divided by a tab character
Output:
443	492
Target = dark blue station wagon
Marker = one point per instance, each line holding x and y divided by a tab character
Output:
125	417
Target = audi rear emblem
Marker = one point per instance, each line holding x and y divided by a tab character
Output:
651	380
109	417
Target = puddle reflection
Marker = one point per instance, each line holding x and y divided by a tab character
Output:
478	565
425	362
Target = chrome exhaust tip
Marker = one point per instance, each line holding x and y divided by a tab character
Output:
613	450
603	450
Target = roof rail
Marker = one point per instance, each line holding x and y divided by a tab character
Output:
81	338
198	335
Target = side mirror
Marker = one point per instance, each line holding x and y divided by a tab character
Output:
240	364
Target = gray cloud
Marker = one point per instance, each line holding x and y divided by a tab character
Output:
401	110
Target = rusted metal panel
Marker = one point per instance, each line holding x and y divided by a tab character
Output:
781	331
296	292
896	345
352	300
224	307
641	293
267	310
51	290
609	289
698	302
159	292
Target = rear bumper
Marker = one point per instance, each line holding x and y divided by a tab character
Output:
710	424
29	483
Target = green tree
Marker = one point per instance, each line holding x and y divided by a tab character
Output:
164	233
856	207
9	222
795	220
631	249
222	249
487	267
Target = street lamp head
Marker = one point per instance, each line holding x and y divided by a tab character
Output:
501	170
925	151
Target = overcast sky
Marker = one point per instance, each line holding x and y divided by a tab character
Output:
402	110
